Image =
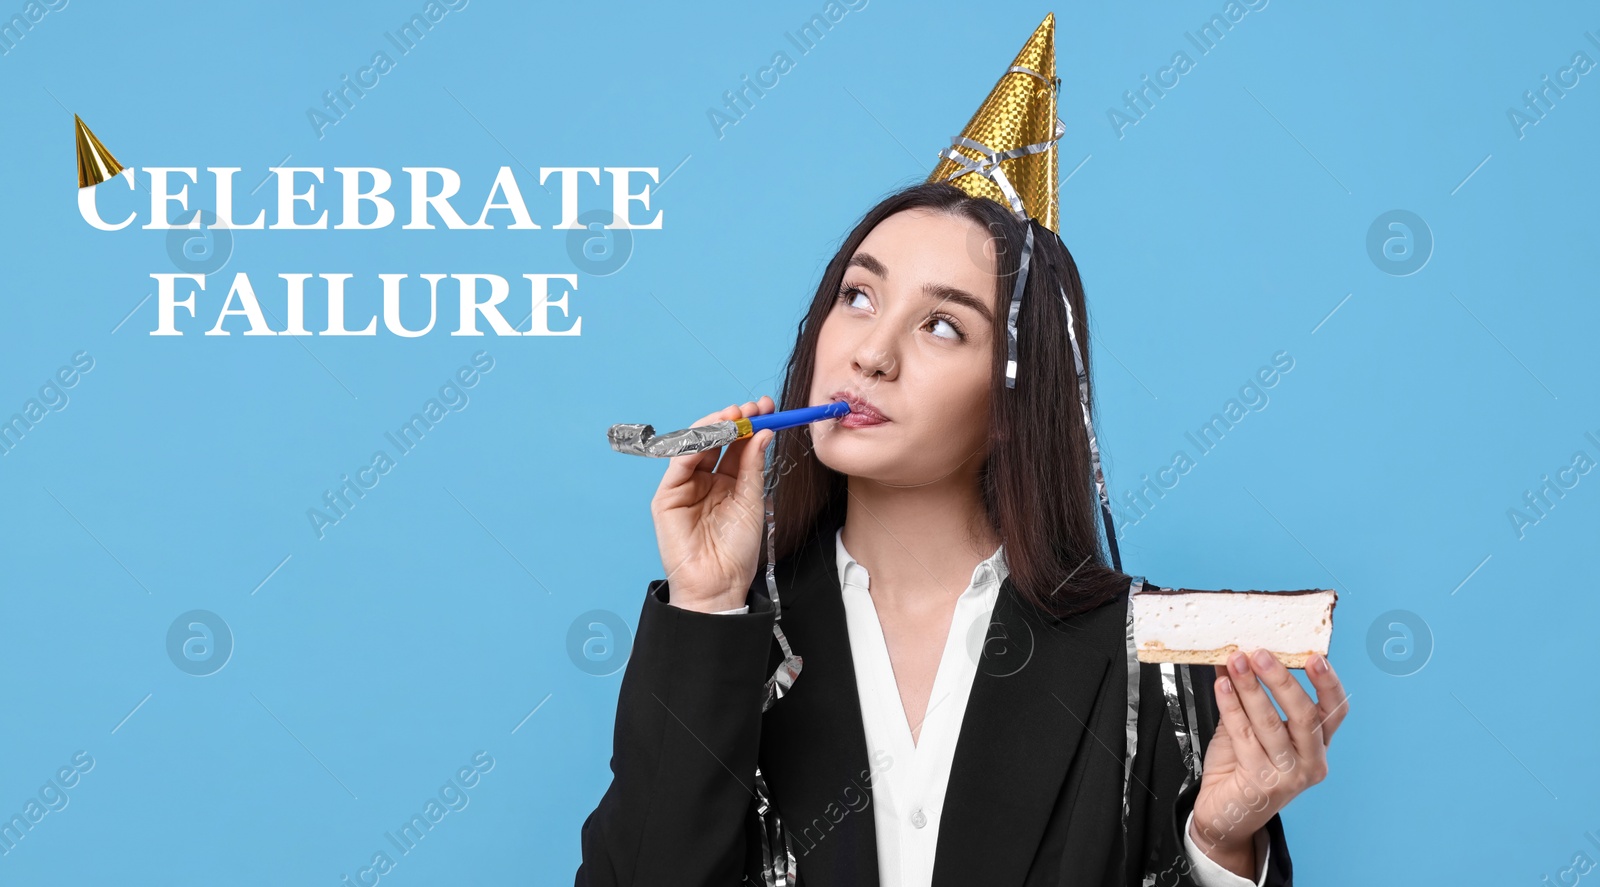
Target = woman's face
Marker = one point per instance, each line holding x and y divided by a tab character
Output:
909	342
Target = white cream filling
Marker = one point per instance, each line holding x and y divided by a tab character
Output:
1287	623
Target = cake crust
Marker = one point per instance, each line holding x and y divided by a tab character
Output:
1153	651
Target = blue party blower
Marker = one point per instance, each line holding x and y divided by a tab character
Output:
642	440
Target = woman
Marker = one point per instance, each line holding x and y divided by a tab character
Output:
936	548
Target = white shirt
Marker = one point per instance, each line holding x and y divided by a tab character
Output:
908	792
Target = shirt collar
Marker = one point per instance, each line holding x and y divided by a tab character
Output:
989	572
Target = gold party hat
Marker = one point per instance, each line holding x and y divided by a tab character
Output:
1010	143
95	163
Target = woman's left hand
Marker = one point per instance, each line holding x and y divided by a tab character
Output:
1257	762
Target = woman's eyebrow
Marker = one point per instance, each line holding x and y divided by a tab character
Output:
942	293
935	291
869	262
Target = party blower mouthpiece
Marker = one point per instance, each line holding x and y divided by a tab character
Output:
642	440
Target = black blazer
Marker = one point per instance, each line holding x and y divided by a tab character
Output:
1035	791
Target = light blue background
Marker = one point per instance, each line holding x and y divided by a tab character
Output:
1229	224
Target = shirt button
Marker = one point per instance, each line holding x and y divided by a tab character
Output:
918	819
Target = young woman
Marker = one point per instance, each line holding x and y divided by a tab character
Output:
961	714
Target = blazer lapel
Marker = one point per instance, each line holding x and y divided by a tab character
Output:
1036	684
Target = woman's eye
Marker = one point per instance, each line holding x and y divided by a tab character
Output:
848	298
952	333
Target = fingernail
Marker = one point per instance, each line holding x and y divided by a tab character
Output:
1319	664
1265	659
1227	685
1239	663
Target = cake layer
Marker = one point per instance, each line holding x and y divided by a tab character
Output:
1205	627
1219	656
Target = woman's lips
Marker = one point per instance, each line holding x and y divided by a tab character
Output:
861	415
860	420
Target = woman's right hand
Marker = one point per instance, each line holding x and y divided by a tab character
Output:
710	517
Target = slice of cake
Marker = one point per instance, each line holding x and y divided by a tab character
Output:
1206	627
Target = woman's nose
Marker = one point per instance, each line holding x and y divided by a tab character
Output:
877	354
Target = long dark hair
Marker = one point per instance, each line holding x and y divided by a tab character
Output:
1037	482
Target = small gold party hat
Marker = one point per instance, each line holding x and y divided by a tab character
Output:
95	163
1010	143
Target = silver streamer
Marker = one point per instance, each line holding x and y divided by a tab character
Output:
1188	739
1192	725
988	163
1024	69
789	669
1016	308
778	868
1133	702
1088	427
777	859
1188	743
